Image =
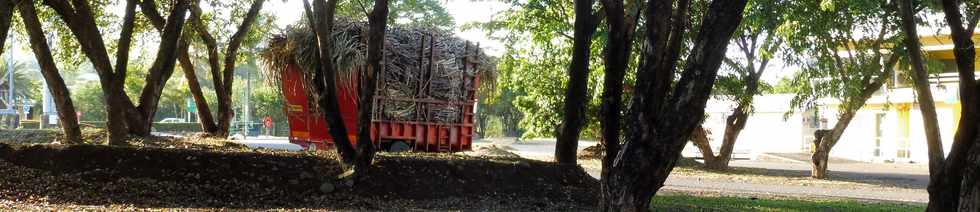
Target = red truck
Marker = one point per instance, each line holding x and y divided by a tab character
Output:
421	133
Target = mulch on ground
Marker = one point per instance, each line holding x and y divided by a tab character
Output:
592	152
155	176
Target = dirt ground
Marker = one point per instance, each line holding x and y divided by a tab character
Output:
177	174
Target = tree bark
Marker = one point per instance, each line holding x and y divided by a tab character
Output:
378	22
159	72
734	125
621	23
920	77
700	139
578	78
6	13
945	186
969	199
659	128
321	21
56	84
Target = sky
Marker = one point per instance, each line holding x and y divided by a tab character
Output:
463	11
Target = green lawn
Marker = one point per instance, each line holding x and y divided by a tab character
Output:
693	203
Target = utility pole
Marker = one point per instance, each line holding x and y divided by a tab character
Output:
10	111
248	95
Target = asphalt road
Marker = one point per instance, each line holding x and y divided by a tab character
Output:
896	182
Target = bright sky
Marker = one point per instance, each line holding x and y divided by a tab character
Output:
463	11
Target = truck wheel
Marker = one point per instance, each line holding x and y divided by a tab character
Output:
398	146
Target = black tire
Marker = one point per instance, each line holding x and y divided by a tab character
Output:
399	146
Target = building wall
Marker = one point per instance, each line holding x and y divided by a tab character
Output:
766	130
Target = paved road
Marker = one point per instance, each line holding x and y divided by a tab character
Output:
899	182
269	143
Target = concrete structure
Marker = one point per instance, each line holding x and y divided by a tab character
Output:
888	128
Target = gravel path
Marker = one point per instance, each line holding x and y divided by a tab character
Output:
862	181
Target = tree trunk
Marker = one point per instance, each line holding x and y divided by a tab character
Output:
659	128
700	139
578	78
617	54
970	190
159	72
60	92
321	21
6	13
945	187
204	116
734	125
921	81
378	21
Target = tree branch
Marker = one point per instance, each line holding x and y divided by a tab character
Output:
125	40
231	54
6	12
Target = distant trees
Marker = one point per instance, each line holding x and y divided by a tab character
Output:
538	45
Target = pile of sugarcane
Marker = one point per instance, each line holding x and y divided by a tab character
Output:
427	72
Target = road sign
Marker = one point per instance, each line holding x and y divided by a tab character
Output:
191	106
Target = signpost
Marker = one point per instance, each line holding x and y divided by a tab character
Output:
191	109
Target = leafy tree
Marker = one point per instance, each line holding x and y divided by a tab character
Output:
538	48
268	102
425	13
25	87
222	73
89	99
757	43
499	109
838	64
663	113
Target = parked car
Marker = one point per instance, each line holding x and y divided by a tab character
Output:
172	120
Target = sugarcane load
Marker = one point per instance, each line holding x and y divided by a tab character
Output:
426	89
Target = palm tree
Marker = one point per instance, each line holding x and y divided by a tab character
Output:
25	85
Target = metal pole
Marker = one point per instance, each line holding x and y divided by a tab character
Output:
10	78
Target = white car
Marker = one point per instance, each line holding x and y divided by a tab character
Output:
172	120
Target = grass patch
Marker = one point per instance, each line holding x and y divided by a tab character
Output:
695	203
